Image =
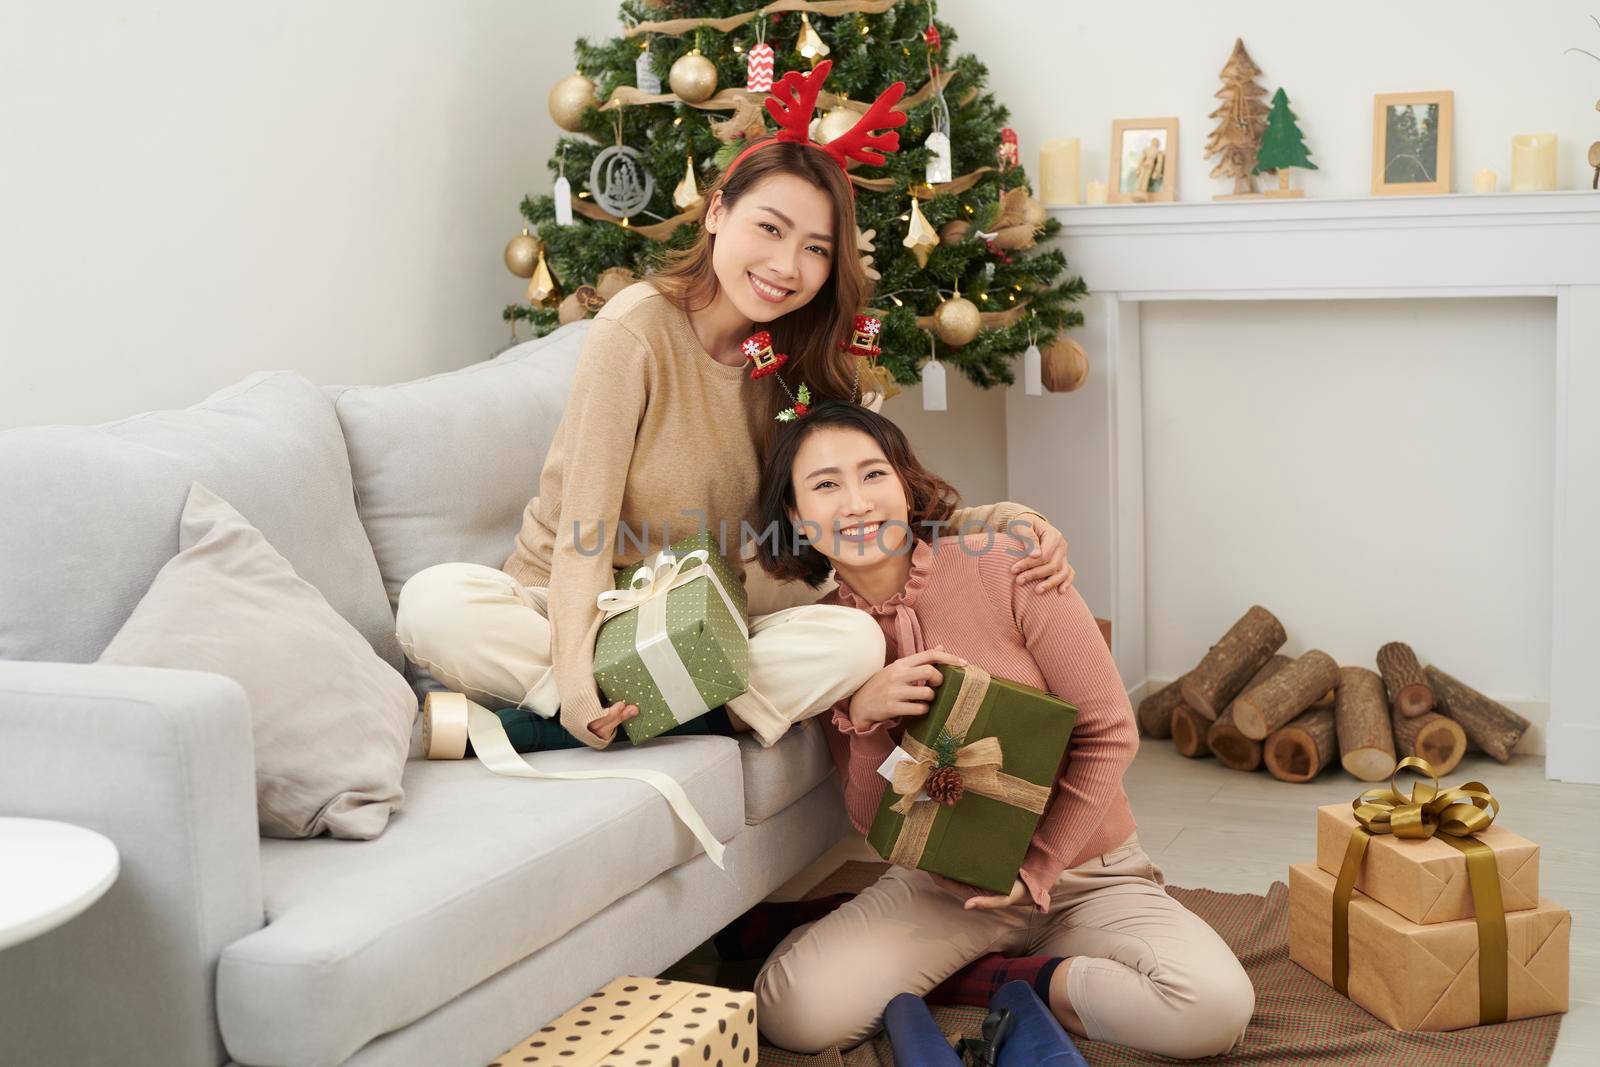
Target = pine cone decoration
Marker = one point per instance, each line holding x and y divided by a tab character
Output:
944	785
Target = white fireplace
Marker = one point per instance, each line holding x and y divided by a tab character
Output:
1512	589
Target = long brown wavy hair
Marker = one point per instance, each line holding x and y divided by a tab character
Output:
930	500
810	335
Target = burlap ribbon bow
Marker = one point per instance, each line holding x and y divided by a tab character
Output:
1453	815
979	764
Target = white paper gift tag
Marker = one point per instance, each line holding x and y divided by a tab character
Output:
1032	372
933	386
895	758
562	195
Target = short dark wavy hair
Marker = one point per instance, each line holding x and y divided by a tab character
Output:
931	500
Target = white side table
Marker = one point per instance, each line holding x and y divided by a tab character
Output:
53	871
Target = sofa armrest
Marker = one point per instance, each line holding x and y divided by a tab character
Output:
160	762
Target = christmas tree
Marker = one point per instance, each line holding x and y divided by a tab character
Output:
1283	145
980	224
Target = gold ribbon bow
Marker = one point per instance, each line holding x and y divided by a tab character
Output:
1454	816
980	764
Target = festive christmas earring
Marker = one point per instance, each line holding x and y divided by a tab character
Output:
758	350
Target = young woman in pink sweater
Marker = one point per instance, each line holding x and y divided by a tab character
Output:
1129	964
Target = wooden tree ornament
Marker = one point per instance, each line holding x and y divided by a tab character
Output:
1286	694
1408	687
1491	725
1232	748
1241	121
1155	711
1233	661
1440	741
1366	740
1299	751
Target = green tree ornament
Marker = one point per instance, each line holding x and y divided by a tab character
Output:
1282	145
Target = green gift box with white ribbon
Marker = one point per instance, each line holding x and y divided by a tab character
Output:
676	637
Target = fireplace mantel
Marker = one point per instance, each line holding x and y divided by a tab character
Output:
1461	246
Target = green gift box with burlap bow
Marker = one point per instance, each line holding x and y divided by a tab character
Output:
970	779
676	636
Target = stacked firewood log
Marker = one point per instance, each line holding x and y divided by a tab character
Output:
1249	706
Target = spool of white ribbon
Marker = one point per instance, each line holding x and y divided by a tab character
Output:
647	592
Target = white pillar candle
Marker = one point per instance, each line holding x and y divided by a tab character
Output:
1485	181
1058	172
1533	162
1095	193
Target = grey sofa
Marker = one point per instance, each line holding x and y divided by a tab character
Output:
488	906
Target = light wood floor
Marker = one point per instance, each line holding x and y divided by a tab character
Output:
1210	827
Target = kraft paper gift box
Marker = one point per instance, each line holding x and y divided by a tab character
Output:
646	1022
1418	976
679	643
1426	880
1004	741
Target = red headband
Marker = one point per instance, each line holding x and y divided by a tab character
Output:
793	101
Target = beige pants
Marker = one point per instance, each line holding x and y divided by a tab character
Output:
1146	972
484	634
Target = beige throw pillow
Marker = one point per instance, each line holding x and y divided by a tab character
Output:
331	720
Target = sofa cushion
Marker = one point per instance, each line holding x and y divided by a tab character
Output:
444	466
330	721
92	512
778	776
476	872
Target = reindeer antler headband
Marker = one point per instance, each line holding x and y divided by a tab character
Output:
793	101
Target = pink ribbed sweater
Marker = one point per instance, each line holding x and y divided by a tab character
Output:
965	598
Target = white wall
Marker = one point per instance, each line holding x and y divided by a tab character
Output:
193	190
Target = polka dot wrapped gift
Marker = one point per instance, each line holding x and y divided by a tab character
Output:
676	637
646	1022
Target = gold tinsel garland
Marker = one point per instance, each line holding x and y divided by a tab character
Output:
831	8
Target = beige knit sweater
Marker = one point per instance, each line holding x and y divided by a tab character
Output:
657	441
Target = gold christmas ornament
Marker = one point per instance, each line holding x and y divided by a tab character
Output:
542	288
570	99
956	321
521	251
920	236
1065	367
883	383
955	231
835	123
693	77
687	194
810	45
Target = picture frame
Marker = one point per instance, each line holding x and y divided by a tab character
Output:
1413	141
1131	141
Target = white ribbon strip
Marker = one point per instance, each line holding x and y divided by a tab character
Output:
494	751
647	591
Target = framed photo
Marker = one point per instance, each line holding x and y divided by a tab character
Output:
1144	161
1412	141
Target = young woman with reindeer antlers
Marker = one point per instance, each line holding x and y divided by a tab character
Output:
673	404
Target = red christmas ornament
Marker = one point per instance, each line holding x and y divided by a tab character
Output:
931	35
863	337
758	350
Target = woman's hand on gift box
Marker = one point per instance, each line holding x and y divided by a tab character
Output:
1018	894
605	727
904	687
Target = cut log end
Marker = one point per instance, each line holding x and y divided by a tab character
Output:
1440	741
1369	764
1233	749
1299	751
1189	732
1414	700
